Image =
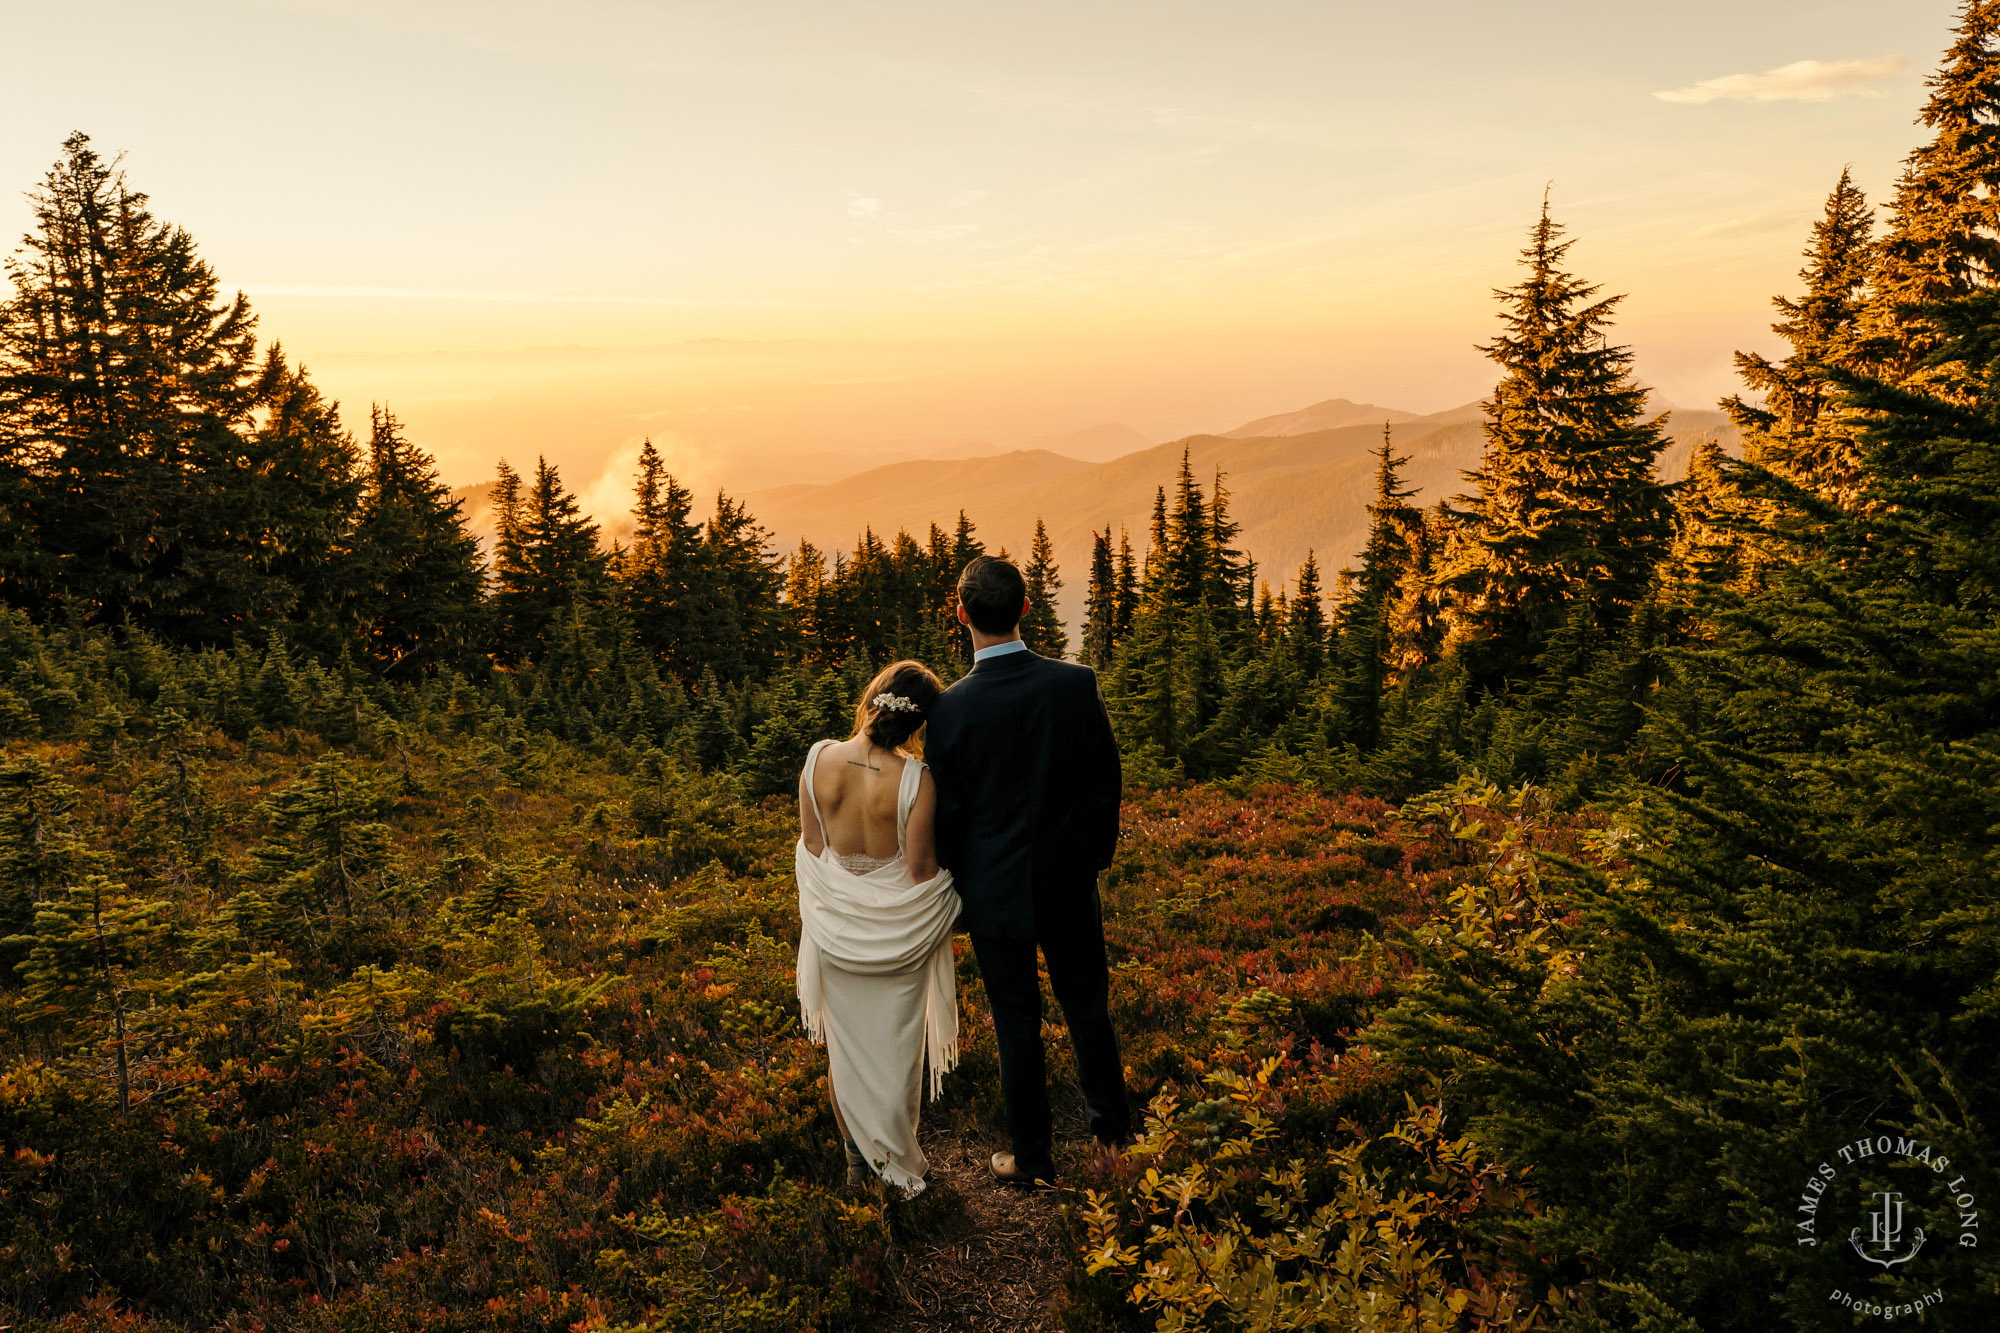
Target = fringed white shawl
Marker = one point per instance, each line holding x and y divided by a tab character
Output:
878	923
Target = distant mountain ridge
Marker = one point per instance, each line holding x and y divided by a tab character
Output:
1332	414
1291	490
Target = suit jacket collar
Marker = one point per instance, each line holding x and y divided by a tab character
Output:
994	666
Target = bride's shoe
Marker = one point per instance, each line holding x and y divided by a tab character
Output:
858	1173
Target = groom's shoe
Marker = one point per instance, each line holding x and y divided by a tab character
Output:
1010	1172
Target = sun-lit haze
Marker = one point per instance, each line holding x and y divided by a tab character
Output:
789	241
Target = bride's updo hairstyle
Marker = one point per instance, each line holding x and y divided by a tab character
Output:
896	703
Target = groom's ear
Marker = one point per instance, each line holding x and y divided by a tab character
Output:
1024	609
963	618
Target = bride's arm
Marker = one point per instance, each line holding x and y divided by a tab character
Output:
920	834
810	832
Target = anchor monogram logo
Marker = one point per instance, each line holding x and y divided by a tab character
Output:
1885	1232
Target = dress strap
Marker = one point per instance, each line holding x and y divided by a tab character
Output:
906	796
812	788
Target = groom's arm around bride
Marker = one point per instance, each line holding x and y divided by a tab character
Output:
1028	789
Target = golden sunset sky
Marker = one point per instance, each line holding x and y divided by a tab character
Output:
788	240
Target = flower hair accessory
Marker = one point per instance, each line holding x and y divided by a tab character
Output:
894	703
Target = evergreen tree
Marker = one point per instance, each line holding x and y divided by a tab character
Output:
1305	623
1189	542
1799	430
415	570
712	734
1713	539
662	576
1417	620
1042	627
1364	632
125	377
83	954
291	526
1803	951
1172	671
176	815
779	744
326	870
551	563
1100	618
40	851
807	601
1271	617
1567	506
965	548
508	569
1943	238
738	624
1151	571
943	632
1262	705
1230	575
1127	589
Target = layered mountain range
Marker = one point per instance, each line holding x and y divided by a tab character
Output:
1297	482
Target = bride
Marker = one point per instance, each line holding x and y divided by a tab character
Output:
875	968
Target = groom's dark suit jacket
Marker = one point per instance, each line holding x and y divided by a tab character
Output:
1028	785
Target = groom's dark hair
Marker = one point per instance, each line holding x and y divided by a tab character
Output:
991	590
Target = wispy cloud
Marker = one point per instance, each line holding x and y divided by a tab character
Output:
1754	224
342	291
1800	81
863	208
936	234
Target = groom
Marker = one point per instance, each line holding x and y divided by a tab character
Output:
1027	814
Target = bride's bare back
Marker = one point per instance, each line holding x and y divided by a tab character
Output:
857	784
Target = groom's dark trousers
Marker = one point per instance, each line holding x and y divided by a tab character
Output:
1028	787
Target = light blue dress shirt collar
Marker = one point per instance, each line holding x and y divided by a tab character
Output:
999	650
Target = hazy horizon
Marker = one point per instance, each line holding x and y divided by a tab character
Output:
785	242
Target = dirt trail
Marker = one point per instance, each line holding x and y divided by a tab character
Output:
996	1266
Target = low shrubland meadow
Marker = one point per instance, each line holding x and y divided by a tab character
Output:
341	1010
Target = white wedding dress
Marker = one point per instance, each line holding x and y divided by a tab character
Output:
877	985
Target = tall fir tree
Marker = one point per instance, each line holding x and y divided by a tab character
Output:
739	631
1042	628
1189	541
1230	575
965	548
126	378
1305	621
1567	506
1364	629
1798	428
1172	671
806	601
1127	604
1100	616
551	564
292	526
416	573
662	574
508	568
1943	238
